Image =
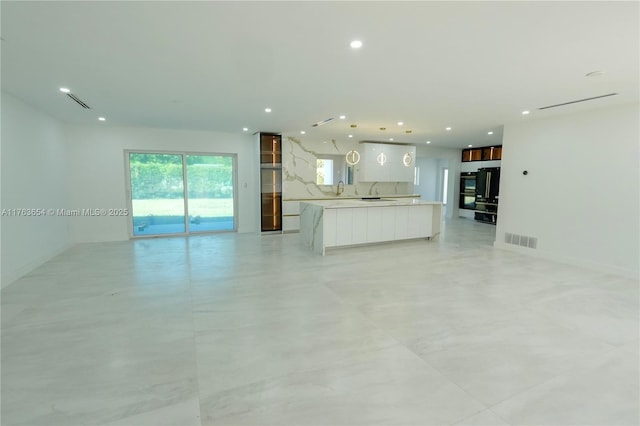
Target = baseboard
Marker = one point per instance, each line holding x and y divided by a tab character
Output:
587	264
12	276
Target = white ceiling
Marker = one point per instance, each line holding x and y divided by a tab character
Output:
474	66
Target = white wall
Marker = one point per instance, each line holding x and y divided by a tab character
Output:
428	179
34	164
581	195
98	172
447	158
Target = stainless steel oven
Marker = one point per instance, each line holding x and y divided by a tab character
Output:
468	190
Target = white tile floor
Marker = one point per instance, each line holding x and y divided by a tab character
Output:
237	329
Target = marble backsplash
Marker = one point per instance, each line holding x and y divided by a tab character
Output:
299	160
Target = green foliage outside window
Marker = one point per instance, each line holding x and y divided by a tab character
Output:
160	176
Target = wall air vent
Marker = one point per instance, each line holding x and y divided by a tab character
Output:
78	100
577	101
521	240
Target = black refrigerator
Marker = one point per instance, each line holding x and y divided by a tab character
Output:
487	194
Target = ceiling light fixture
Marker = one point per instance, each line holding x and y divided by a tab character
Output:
525	112
489	133
342	117
267	110
245	129
65	90
428	142
400	123
302	132
470	146
355	44
391	139
101	118
448	128
350	136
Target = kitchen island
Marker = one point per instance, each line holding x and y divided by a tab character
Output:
339	223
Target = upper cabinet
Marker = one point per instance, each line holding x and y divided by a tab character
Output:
386	162
270	149
485	153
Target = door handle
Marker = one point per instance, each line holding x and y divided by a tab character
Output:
486	186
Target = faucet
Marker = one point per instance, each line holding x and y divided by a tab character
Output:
338	191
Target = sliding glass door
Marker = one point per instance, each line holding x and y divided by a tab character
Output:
210	200
180	193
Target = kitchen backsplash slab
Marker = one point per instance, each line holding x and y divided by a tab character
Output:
299	160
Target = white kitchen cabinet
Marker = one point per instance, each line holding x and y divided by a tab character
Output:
290	207
347	223
328	226
344	227
388	223
374	224
387	162
420	220
359	226
401	222
290	223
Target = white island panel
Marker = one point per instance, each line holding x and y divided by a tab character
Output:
344	227
374	224
353	222
328	230
359	226
389	223
402	223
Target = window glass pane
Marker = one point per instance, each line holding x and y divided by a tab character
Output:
157	193
210	198
445	185
324	169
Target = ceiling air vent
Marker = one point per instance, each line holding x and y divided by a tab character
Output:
577	101
78	101
320	123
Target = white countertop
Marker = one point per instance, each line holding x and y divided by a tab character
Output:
384	202
350	197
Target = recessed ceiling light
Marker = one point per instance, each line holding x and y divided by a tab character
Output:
65	90
489	133
267	110
355	44
400	123
350	136
391	139
428	142
448	128
101	118
408	131
302	132
383	128
245	129
525	112
353	126
469	146
342	117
